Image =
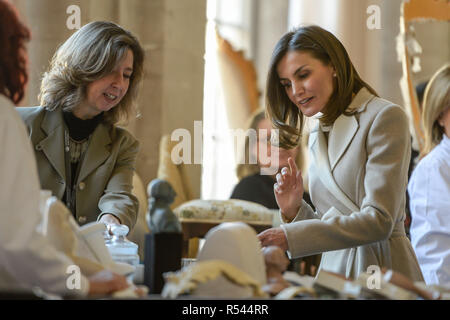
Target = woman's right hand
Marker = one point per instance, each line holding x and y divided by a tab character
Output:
289	190
106	282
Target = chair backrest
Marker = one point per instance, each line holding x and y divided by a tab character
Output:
239	83
140	229
173	173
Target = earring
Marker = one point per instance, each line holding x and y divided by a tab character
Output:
334	74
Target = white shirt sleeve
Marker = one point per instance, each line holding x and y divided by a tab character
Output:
25	255
429	192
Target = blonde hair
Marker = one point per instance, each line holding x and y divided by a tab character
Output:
88	55
245	168
436	101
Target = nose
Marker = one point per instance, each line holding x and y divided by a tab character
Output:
297	88
118	80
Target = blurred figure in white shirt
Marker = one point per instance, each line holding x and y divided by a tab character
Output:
429	186
27	259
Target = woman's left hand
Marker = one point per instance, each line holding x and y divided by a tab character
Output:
273	237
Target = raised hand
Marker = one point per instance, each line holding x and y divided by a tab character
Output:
289	190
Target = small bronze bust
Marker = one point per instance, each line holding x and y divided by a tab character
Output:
160	218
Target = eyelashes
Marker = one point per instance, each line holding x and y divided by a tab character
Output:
302	76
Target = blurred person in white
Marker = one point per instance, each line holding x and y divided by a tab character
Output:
27	259
429	186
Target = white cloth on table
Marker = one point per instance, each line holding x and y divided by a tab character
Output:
27	259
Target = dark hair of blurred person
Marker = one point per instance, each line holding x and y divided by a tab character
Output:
13	55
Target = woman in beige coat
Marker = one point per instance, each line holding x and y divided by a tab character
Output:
359	155
83	157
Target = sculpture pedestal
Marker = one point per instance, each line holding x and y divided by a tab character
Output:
162	254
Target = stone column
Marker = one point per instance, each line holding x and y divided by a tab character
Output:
47	22
145	19
103	10
183	72
173	36
271	24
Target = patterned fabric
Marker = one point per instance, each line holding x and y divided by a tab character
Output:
77	148
227	210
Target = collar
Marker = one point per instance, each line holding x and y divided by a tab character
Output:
342	131
53	144
80	129
445	142
360	101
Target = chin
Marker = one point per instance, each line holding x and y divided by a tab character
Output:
106	108
310	112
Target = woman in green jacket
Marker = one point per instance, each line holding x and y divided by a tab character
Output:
83	157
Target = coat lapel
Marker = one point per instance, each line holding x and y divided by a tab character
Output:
97	151
342	133
325	157
345	127
319	152
53	144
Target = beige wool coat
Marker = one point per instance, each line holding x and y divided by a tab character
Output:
104	184
357	182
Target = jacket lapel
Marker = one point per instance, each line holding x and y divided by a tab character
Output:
97	151
345	127
53	144
325	157
319	152
342	133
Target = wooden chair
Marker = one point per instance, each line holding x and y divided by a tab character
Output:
140	229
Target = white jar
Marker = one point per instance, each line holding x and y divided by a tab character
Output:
120	248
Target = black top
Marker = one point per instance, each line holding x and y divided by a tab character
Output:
79	132
259	188
80	129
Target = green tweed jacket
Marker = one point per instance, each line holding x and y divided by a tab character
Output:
104	183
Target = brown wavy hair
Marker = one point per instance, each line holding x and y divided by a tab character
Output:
324	46
13	56
88	55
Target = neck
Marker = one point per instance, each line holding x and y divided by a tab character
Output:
83	114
